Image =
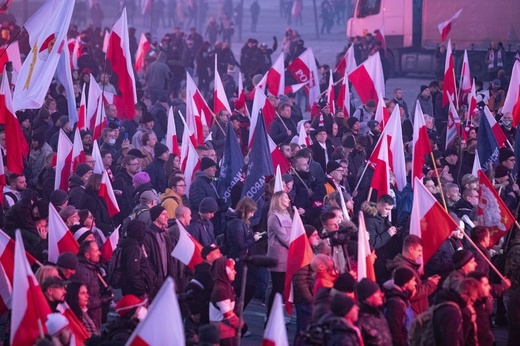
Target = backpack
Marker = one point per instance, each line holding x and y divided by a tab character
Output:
316	334
421	332
133	216
115	269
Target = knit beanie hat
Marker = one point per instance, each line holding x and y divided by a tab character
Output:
332	166
341	305
136	230
309	230
365	288
155	212
208	205
206	163
140	179
504	154
159	149
68	260
461	257
402	276
351	122
58	197
345	283
82	169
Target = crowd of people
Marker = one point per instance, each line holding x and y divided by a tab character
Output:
455	299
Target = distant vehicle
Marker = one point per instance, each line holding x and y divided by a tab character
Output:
412	34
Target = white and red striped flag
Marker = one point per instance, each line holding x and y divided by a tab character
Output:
12	53
476	165
277	157
381	177
382	115
172	141
512	102
258	104
429	221
190	161
299	255
60	238
164	311
6	291
110	245
449	88
142	49
220	100
198	112
293	88
331	98
29	317
304	70
99	167
347	64
119	56
303	138
75	324
472	102
445	27
82	111
75	53
343	101
421	143
106	41
276	77
2	181
78	153
47	30
495	127
368	79
188	250
63	162
364	257
107	193
465	81
241	98
275	334
100	120
278	183
380	36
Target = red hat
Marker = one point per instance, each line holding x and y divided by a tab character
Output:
129	302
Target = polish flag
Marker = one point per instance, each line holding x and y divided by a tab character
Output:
164	311
453	128
47	30
347	64
330	95
82	111
110	245
364	257
29	317
495	127
100	120
106	41
193	121
303	138
381	178
75	53
203	114
293	88
60	238
6	291
472	102
142	49
15	143
368	79
269	113
171	135
274	335
12	53
380	36
449	88
119	56
393	134
445	27
429	221
63	162
258	104
512	101
300	254
146	6
343	101
343	206
75	324
304	70
188	250
96	99
2	181
78	153
278	183
241	99
99	167
190	161
220	100
476	165
277	157
382	115
421	144
107	193
465	80
276	77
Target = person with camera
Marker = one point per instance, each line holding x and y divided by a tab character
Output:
335	239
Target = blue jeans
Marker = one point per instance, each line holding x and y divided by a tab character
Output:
303	318
262	281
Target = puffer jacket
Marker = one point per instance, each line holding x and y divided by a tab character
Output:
76	190
87	274
342	334
302	285
373	325
202	231
398	313
138	276
239	236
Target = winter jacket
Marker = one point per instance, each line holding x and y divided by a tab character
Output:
202	231
426	105
373	325
218	136
463	207
425	288
302	285
398	314
160	118
447	319
137	138
239	236
222	306
440	263
98	207
321	305
156	171
201	187
201	287
157	74
87	274
513	318
278	130
119	330
76	190
342	333
170	200
138	276
37	161
484	308
318	153
123	182
278	235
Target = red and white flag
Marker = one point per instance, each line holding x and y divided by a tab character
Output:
381	177
64	74
2	181
347	64
63	162
97	99
75	53
172	141
276	77
241	98
453	128
6	291
164	311
220	100
382	115
277	157
82	111
343	101
368	79
258	104
190	161
492	212
110	245
330	94
12	53
380	36
29	317
15	144
299	255
188	249
512	101
495	127
293	88
465	80
47	30
107	193
303	138
120	58
364	257
449	89
100	122
304	70
99	167
476	165
75	324
278	183
60	238
472	102
198	112
106	41
275	334
78	153
421	143
146	6
429	221
142	49
445	27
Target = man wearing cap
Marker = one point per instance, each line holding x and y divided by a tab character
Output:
159	247
147	200
322	149
123	182
452	165
325	118
334	177
398	311
218	131
371	321
59	199
69	215
77	183
130	311
201	228
67	264
157	168
343	285
54	290
147	123
463	263
283	129
342	322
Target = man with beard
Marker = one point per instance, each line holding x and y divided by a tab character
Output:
309	192
399	100
39	151
54	290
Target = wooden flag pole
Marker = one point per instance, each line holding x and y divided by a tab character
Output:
369	194
439	181
502	277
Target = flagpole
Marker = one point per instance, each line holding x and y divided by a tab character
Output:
12	40
361	177
241	303
438	181
369	194
502	277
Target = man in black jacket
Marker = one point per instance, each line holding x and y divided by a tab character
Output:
123	183
283	129
54	290
322	149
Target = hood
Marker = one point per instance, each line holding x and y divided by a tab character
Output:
448	295
391	290
75	180
401	261
218	271
231	214
369	207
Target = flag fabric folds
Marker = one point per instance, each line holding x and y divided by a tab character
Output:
187	250
63	162
445	27
512	101
304	70
107	193
275	334
364	256
368	79
110	245
230	165
487	146
449	88
60	238
421	143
